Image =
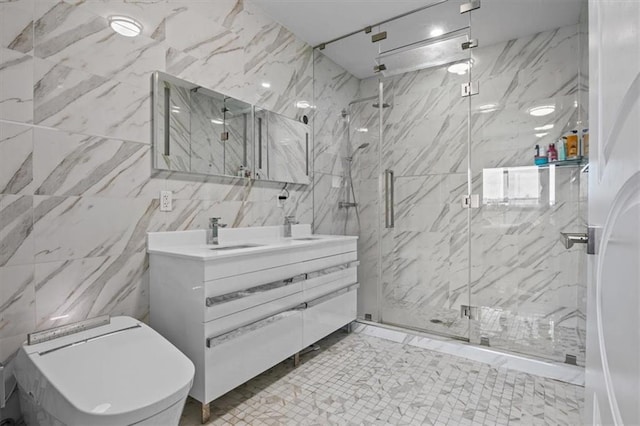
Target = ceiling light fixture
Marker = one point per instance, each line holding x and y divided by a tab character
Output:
266	84
541	111
540	135
487	108
460	68
125	26
545	127
437	31
303	104
217	121
362	130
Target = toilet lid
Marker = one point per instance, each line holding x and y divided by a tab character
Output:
126	374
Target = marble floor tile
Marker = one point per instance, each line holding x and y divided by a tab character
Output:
361	380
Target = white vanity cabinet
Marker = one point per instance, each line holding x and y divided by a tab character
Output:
237	312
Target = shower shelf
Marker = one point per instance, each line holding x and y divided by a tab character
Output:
566	163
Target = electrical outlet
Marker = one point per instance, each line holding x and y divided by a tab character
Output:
166	203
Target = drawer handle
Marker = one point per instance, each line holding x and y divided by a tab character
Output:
229	297
225	337
332	295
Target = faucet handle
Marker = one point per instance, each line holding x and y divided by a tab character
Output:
215	221
290	220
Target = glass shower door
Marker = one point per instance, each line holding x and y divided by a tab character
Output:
423	177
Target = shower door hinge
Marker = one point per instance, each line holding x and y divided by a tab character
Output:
470	44
470	312
469	89
379	68
468	7
378	37
224	136
471	201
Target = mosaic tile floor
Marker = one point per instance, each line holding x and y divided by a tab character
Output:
361	380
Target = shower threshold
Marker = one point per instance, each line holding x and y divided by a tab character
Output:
460	347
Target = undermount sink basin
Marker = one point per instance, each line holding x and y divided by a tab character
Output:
236	247
306	238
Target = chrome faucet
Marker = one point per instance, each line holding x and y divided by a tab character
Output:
288	221
212	232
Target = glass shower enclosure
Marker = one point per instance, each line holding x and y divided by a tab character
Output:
459	230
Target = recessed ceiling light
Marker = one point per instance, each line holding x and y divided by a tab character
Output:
487	108
460	68
545	127
437	31
362	130
302	104
125	26
543	110
217	121
266	84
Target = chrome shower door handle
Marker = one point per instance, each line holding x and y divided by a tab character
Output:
571	238
388	197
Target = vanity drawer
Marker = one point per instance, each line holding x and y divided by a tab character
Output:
237	301
328	280
233	358
325	315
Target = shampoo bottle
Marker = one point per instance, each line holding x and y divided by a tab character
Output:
562	150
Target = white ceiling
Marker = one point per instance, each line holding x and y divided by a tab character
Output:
317	21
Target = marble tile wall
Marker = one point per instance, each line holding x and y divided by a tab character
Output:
77	191
527	285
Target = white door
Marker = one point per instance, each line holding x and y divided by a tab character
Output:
613	316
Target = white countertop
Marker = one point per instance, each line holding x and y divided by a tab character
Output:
191	244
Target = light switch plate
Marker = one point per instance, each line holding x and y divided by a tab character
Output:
166	202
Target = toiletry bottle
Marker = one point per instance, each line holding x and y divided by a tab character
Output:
537	148
543	152
562	150
552	154
572	145
241	171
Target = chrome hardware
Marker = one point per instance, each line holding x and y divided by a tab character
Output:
67	329
592	234
367	30
570	359
468	7
167	120
230	297
571	238
470	44
346	204
224	136
89	339
378	37
484	341
378	68
388	191
344	290
469	312
288	221
471	201
469	89
212	232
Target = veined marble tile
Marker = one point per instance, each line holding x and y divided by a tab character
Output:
17	300
75	37
78	227
16	25
328	217
16	158
72	164
16	230
78	102
73	290
16	86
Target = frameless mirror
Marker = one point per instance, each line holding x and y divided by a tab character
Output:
198	130
282	148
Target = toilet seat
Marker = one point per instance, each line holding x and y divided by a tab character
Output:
117	374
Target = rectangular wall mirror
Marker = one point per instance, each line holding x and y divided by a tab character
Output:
197	130
282	148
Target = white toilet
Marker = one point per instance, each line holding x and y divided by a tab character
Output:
119	373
